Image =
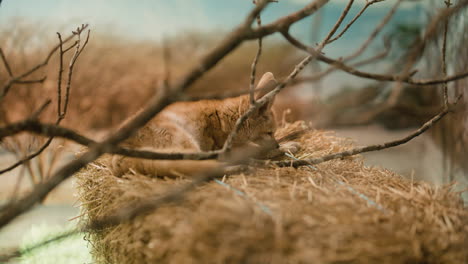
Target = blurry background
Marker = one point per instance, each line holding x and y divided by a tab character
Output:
123	66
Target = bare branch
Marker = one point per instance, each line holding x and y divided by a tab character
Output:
27	158
31	81
444	56
70	69
374	76
59	78
406	77
5	62
254	63
331	69
308	10
71	47
166	63
78	49
358	150
34	116
375	32
284	23
16	189
60	113
53	130
338	22
368	3
41	109
19	78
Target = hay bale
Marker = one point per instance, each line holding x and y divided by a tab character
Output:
285	216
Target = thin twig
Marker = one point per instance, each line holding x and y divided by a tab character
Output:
332	31
444	56
406	77
40	110
354	20
34	116
70	69
331	69
375	76
310	9
41	80
19	78
5	62
338	22
374	33
54	130
59	78
412	57
253	69
16	189
284	23
27	158
167	66
71	47
360	150
60	113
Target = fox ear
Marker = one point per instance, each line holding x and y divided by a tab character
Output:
266	84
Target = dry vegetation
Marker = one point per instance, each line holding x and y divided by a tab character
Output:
114	78
339	212
280	215
112	70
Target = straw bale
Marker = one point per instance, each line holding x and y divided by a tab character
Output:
340	212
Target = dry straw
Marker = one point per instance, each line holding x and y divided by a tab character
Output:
314	215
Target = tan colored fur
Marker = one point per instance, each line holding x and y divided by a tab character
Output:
198	126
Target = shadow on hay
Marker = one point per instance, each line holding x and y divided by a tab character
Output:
313	219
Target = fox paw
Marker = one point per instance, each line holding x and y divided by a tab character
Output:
290	147
236	169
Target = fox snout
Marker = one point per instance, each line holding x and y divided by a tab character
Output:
269	141
266	141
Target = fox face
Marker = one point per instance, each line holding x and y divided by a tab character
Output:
259	128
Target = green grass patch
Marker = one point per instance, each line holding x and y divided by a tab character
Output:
71	249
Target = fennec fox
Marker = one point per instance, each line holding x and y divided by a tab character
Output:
198	126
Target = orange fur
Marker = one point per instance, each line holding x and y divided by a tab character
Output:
198	126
